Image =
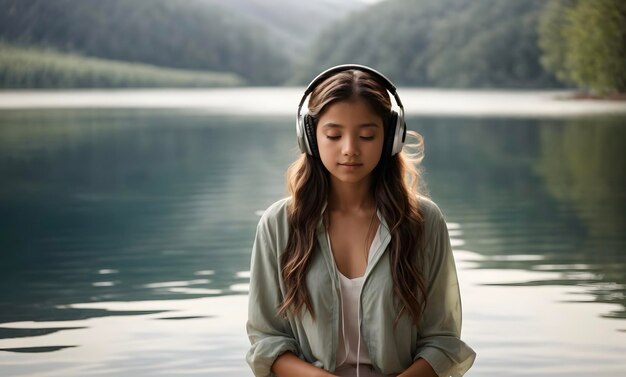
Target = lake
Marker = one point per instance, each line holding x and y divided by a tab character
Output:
128	219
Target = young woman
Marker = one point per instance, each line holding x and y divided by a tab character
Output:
353	273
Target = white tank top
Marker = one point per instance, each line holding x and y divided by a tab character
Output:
349	327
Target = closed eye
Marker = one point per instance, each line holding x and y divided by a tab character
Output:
367	137
333	137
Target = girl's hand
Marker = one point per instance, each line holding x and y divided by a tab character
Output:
288	364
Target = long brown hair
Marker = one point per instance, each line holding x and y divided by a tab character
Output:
395	184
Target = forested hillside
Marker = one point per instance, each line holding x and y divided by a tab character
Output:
584	43
168	33
32	67
445	43
252	38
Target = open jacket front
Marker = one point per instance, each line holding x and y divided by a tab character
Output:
436	339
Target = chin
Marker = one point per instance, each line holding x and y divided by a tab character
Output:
349	178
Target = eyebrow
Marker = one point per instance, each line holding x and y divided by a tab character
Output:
364	125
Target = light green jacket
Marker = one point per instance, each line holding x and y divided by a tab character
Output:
437	339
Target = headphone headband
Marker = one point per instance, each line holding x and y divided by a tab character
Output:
346	67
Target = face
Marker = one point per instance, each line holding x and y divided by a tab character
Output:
350	140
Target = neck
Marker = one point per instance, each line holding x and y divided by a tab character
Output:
349	197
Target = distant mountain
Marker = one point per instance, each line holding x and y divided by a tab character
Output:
446	43
293	25
253	39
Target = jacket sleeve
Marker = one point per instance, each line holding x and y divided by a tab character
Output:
439	332
270	335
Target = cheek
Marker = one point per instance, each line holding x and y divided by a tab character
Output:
325	145
325	148
379	144
377	149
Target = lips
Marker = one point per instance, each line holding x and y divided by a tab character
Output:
350	164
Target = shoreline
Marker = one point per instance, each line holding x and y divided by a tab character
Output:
284	100
590	96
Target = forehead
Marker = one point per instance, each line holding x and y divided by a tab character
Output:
349	113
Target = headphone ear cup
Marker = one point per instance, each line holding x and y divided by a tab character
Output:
390	132
399	135
300	134
309	130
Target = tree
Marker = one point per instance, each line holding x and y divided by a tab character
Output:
596	41
445	43
552	38
584	42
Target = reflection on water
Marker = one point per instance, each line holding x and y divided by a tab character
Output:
538	195
161	338
126	237
102	207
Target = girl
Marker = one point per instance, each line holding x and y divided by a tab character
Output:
353	274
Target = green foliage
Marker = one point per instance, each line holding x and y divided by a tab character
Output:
450	43
488	44
453	43
584	42
182	34
582	162
552	38
39	68
596	41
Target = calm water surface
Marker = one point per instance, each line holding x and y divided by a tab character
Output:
125	238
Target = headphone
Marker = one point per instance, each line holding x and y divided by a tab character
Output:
395	126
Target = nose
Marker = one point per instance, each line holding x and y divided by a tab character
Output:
350	146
